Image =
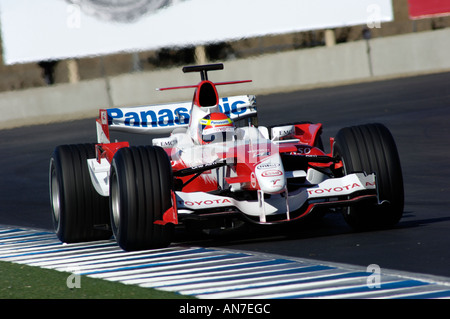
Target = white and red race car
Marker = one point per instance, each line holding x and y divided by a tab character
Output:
216	167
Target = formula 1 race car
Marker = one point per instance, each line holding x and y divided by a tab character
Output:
216	167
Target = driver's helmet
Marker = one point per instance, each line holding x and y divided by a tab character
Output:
215	127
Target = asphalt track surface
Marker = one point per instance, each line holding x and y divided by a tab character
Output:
416	110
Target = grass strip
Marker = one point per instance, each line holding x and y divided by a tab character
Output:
19	281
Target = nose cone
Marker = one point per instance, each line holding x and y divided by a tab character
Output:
270	175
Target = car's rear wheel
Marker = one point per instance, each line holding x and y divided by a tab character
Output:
140	192
79	213
371	148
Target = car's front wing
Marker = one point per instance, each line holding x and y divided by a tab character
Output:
293	205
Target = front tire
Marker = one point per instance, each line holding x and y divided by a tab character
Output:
371	148
140	192
78	211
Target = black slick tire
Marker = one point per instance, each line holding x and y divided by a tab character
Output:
79	213
140	192
371	148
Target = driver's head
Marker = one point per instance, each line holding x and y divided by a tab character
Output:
214	128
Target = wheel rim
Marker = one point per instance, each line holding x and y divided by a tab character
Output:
55	194
115	202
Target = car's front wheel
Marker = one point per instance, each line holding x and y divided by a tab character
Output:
371	148
140	192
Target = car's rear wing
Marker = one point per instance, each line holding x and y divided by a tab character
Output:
164	118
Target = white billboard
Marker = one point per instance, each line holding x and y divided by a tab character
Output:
59	29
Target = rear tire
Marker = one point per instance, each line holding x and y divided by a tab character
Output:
140	192
77	209
371	148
